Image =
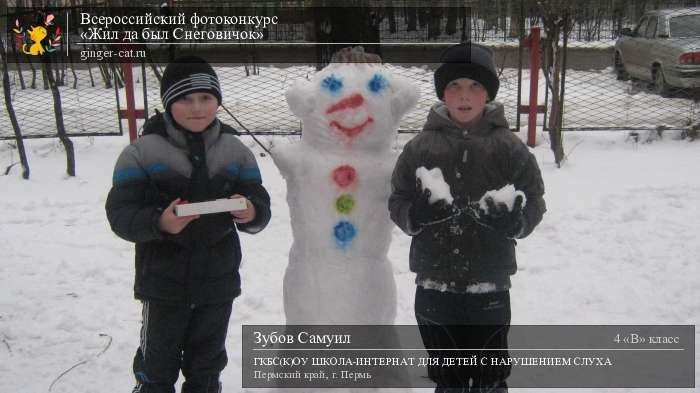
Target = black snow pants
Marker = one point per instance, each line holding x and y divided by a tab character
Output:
181	337
477	324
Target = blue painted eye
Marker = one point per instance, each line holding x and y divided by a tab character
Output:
377	83
332	83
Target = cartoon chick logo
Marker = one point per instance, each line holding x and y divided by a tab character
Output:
30	40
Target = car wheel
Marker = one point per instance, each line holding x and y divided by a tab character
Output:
620	71
660	85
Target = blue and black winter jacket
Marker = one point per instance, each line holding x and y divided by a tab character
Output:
200	264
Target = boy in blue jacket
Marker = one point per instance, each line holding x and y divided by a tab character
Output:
186	267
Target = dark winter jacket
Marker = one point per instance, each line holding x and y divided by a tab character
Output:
200	264
460	253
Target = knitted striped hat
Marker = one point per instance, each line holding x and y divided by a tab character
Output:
185	75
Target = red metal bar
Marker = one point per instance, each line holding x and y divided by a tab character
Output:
130	103
139	113
534	41
526	109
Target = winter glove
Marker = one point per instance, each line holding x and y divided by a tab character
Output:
497	217
422	213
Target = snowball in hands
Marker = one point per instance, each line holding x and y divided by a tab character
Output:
435	182
338	184
505	194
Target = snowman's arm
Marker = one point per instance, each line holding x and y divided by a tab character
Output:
287	158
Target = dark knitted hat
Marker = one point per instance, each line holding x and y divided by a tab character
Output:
185	75
467	60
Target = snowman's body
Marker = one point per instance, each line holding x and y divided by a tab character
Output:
338	183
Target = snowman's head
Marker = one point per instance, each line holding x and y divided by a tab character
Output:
351	105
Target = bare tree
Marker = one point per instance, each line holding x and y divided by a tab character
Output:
11	112
588	19
153	65
58	111
19	67
557	26
31	66
72	68
515	20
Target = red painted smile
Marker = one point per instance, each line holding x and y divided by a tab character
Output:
352	102
352	131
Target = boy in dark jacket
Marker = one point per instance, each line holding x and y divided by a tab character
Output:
464	255
186	267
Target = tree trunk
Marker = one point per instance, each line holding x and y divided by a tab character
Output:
390	14
465	15
31	65
72	68
434	20
58	111
19	67
552	66
11	112
104	72
154	66
118	77
44	72
555	115
155	70
452	16
514	31
92	79
423	16
57	75
555	137
411	18
105	75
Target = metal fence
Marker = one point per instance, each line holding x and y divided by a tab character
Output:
258	100
89	99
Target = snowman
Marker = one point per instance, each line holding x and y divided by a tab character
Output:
338	183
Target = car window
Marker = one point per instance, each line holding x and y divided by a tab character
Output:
641	27
685	26
651	27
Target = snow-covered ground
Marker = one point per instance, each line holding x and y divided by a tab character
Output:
619	245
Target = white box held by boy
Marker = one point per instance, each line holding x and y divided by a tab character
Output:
217	206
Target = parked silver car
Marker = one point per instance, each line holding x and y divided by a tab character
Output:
664	48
